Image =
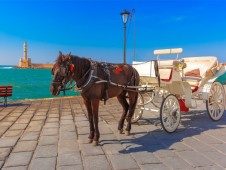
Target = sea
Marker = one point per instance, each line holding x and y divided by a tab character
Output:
29	83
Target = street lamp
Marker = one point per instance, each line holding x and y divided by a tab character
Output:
125	15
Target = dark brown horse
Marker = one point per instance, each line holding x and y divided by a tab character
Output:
97	81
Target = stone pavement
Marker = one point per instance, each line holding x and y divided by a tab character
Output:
52	134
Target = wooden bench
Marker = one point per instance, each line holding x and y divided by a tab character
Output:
6	91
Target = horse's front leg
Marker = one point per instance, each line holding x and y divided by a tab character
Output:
95	107
132	105
122	100
90	117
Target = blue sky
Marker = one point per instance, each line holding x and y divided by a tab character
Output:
94	29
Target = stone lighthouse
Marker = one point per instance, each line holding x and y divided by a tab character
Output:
25	62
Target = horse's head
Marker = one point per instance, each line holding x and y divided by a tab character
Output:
62	73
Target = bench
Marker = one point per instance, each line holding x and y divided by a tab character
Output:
199	69
6	91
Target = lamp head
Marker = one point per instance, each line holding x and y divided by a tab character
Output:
125	15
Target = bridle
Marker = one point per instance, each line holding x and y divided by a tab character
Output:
60	75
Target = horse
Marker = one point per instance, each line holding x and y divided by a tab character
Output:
98	81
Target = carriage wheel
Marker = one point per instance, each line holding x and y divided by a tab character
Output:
170	113
139	109
216	101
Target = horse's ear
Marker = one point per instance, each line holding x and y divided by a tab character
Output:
60	53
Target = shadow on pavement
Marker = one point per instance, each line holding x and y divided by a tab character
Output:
192	123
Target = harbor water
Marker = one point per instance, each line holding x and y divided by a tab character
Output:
29	83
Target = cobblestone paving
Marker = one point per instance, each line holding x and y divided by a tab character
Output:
52	134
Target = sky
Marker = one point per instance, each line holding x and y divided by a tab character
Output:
94	29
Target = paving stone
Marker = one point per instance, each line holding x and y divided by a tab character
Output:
23	121
3	130
113	148
13	133
51	125
18	159
198	146
68	136
18	126
16	114
123	161
5	124
83	130
69	128
43	163
89	149
217	157
195	159
54	116
53	119
10	119
70	167
46	151
154	166
50	131
179	147
68	146
16	168
96	162
30	136
34	128
69	159
83	139
66	122
175	162
8	142
144	157
68	117
41	114
4	152
1	164
48	140
82	124
39	117
25	146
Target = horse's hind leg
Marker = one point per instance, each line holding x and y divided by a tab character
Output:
132	105
90	117
122	100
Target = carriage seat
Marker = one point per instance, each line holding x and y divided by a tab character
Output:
165	68
199	68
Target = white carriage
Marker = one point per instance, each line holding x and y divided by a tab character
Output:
173	86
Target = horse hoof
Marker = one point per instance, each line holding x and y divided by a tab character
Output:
120	131
90	140
127	133
95	143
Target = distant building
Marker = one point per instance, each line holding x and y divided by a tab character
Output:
25	62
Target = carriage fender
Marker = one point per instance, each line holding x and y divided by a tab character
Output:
206	88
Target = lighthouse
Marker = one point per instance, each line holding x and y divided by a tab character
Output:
25	50
25	62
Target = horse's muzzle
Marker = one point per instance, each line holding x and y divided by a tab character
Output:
55	90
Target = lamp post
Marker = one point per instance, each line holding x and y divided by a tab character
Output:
125	15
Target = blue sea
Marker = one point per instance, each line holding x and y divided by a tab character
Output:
29	83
